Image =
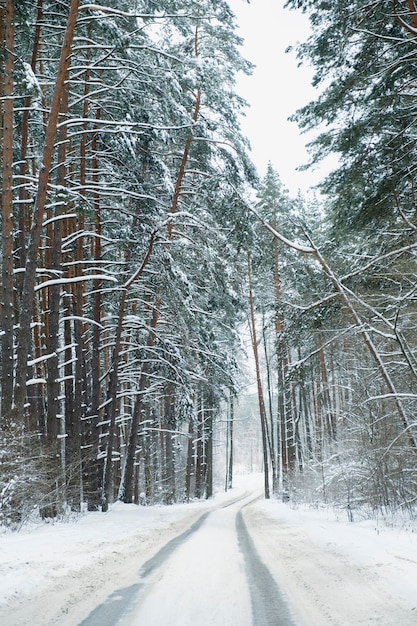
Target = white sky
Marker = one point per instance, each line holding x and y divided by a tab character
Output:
276	88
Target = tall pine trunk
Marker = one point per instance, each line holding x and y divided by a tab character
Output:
24	197
261	403
7	312
230	444
28	291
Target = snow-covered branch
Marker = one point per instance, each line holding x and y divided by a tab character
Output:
75	279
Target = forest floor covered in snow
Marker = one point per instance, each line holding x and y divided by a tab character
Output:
332	571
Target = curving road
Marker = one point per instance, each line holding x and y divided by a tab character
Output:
235	566
211	574
246	562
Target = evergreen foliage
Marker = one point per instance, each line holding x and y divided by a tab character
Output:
364	60
131	320
128	255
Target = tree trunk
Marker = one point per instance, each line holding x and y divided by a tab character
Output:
209	453
24	335
330	418
169	424
23	167
91	465
305	412
199	450
7	312
262	411
190	460
52	346
230	444
272	430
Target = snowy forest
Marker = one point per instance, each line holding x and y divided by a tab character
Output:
139	244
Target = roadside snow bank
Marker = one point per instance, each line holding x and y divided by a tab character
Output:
339	572
56	573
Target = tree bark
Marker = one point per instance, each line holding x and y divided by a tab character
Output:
190	460
91	465
169	426
209	453
24	335
325	393
230	444
199	449
272	443
23	168
7	312
262	411
53	385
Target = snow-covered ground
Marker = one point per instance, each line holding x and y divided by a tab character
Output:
332	572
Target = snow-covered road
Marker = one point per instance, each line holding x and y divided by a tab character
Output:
204	579
211	574
233	561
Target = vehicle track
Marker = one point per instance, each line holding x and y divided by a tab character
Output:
269	607
219	537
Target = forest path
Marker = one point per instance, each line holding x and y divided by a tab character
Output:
210	574
234	566
234	560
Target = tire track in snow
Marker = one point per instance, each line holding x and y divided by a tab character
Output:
120	602
268	604
167	550
109	613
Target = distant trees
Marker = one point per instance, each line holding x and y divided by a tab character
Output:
278	276
341	400
349	321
